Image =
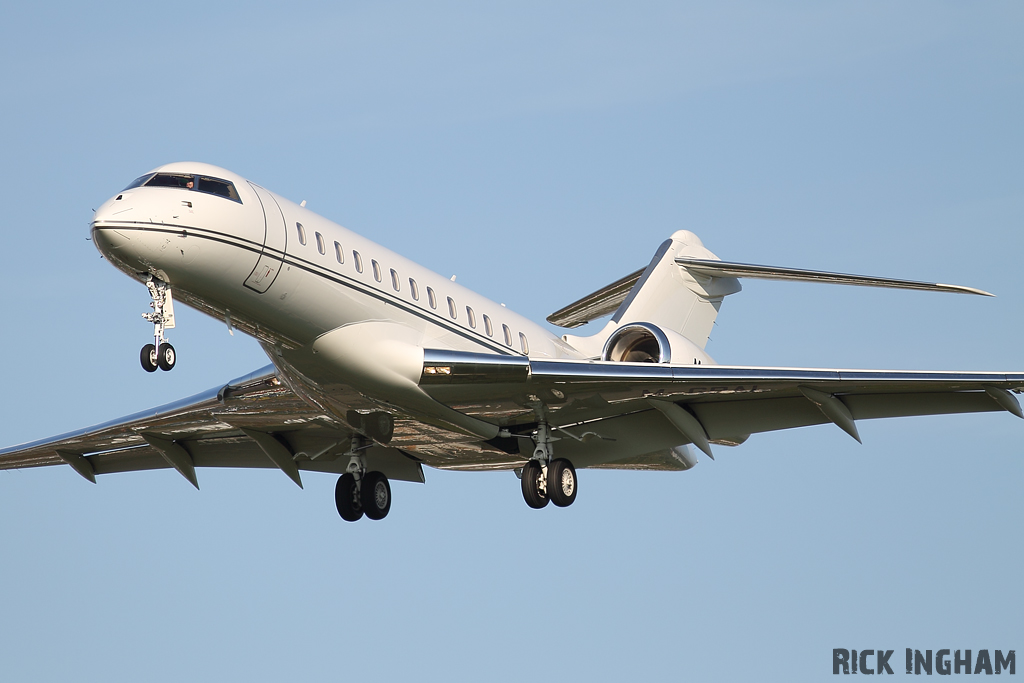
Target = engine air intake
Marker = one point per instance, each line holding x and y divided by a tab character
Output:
638	343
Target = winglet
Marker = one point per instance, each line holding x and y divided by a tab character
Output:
834	409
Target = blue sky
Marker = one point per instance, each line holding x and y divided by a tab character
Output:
538	151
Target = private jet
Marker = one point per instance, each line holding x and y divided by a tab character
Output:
379	366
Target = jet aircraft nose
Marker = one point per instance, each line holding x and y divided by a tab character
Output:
107	238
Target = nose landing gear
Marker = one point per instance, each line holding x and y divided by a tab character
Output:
159	354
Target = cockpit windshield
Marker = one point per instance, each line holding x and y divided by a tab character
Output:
172	180
139	182
185	181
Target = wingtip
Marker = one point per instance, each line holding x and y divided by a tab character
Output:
965	290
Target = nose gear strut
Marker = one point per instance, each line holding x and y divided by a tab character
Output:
159	354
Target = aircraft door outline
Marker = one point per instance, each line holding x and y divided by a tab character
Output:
275	239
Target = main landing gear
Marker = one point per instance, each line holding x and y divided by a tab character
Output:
159	354
359	492
546	479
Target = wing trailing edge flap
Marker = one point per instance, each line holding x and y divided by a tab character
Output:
735	419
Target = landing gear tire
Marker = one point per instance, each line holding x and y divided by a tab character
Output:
148	357
346	497
533	489
375	495
561	482
165	356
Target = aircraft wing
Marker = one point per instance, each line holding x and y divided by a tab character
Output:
713	403
254	421
623	415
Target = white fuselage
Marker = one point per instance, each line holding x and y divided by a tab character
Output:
248	262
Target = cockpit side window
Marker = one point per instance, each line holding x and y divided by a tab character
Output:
219	187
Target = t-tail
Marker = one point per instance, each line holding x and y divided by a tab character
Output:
665	312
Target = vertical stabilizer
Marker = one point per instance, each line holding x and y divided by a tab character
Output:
670	296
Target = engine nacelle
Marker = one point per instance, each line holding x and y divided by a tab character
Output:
648	343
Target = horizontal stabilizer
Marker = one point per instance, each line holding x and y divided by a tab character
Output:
711	268
607	300
599	304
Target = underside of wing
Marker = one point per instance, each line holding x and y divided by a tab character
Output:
607	411
254	421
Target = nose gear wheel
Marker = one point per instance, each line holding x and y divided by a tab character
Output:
148	358
159	354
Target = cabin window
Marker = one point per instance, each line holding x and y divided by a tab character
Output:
376	270
320	246
414	289
395	282
471	317
431	298
523	344
339	253
452	310
359	261
508	335
487	326
302	233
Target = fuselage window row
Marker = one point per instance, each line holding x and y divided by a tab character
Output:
414	289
